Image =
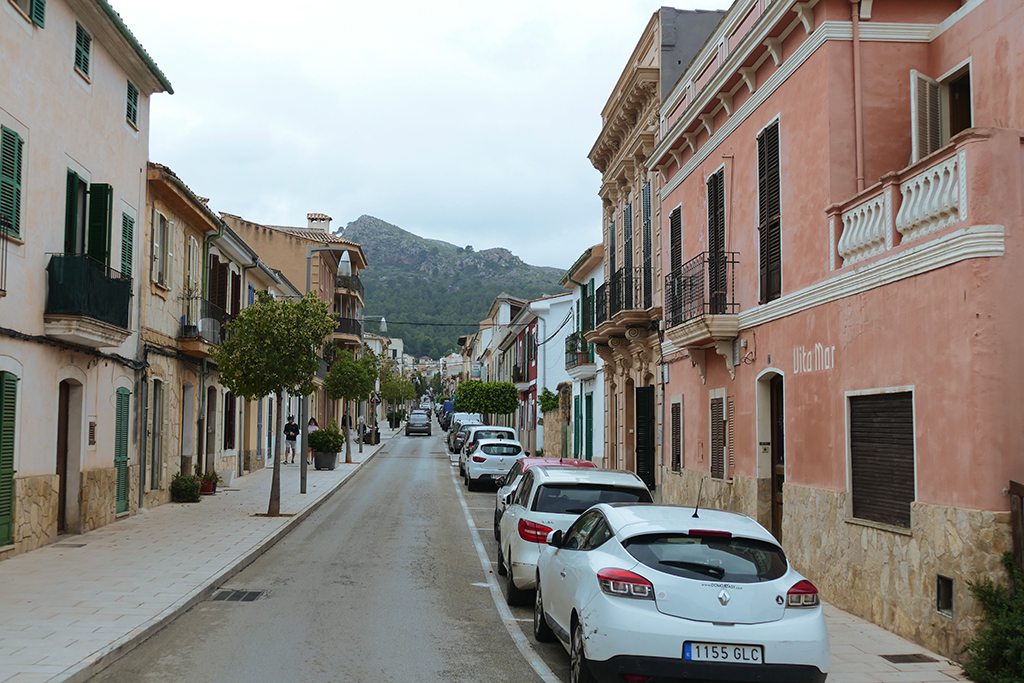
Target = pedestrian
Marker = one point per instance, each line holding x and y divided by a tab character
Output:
291	432
310	428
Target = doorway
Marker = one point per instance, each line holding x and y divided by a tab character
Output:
778	453
211	428
68	456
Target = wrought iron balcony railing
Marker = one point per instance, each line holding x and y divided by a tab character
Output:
350	282
601	304
704	285
631	289
577	350
349	326
81	286
204	320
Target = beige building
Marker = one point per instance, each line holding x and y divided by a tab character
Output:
72	201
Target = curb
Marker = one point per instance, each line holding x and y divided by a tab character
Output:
82	672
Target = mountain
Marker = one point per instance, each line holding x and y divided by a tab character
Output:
415	280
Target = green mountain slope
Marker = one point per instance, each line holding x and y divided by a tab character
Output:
415	280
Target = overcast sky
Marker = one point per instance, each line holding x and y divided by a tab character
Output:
468	122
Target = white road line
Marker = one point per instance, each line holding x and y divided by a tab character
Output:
499	601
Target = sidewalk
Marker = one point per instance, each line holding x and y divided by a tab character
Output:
71	608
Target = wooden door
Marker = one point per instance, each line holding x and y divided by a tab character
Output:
63	408
778	454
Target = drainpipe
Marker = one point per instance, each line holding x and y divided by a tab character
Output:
858	105
201	421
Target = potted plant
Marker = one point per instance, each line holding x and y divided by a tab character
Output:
185	488
326	443
209	483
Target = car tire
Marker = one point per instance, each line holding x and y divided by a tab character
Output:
497	525
579	667
501	563
514	596
471	484
541	630
462	470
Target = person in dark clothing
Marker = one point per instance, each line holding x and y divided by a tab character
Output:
291	432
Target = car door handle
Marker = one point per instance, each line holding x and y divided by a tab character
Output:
562	573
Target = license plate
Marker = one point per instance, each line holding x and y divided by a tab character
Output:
723	652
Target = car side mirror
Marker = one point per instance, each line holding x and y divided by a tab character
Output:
555	538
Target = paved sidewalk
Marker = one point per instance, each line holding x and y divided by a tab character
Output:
71	608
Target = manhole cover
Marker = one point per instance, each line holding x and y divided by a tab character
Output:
237	596
916	658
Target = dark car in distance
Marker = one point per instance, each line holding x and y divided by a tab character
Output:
418	423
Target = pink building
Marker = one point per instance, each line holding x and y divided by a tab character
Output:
841	231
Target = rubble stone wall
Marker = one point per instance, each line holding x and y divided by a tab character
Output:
35	511
99	498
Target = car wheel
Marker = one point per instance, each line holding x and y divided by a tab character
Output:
541	631
501	563
462	470
497	525
514	596
579	667
471	484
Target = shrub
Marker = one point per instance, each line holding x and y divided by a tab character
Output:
997	652
548	401
185	488
327	440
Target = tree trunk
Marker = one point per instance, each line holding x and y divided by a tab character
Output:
348	432
274	509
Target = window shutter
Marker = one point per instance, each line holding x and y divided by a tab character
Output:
236	294
8	398
925	115
677	437
121	423
769	196
168	253
612	245
716	243
71	213
648	247
675	238
127	243
83	42
718	438
155	247
132	105
593	308
101	201
882	457
627	238
39	13
11	147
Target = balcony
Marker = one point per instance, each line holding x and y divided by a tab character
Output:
579	357
349	330
87	303
627	300
701	308
520	379
351	283
202	327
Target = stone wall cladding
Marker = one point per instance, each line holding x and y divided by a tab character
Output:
35	511
99	498
747	495
889	577
251	462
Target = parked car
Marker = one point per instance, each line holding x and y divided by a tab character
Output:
641	592
507	485
459	420
418	423
477	432
550	499
490	460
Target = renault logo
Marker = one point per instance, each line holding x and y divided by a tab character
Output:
724	597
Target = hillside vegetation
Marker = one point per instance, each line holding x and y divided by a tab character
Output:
415	280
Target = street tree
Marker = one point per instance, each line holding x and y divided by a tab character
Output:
272	347
352	380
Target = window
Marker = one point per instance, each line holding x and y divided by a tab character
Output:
132	106
611	247
229	421
769	212
882	457
675	239
88	213
560	499
34	10
717	282
127	243
160	270
8	406
83	50
627	240
648	245
580	529
939	110
122	422
218	283
156	430
11	149
677	437
722	444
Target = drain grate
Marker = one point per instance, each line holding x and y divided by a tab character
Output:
69	545
916	658
237	596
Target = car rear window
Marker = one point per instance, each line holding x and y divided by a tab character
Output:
491	434
736	560
577	498
501	449
419	419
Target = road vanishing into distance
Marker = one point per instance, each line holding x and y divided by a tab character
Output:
386	581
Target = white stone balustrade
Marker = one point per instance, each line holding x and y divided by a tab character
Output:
933	199
864	229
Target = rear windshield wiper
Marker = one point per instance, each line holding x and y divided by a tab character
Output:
709	569
577	511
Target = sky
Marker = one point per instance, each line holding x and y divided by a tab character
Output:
468	122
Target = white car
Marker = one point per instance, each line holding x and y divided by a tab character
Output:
507	485
550	499
474	433
640	592
490	460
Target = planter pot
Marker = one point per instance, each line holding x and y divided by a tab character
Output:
207	488
325	461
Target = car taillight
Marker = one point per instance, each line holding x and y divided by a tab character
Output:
624	584
479	458
802	594
533	532
633	678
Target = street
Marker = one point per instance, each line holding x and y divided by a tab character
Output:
382	582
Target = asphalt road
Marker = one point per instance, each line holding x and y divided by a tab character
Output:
384	582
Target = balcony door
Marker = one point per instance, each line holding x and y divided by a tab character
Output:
717	292
645	436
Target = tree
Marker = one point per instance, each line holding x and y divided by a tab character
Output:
486	398
465	396
351	380
273	346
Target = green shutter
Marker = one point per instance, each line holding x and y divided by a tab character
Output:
101	203
121	448
588	417
83	41
577	424
8	396
11	146
71	213
127	242
132	111
39	13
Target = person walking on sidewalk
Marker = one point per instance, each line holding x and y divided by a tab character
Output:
310	428
291	431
